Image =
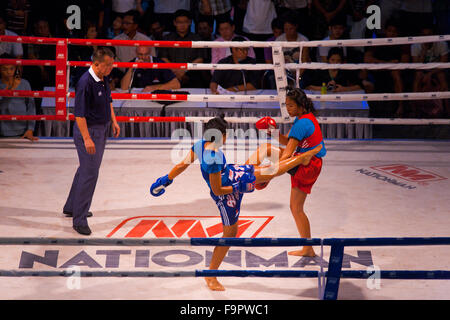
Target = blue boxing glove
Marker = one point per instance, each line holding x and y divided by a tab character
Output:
159	187
246	184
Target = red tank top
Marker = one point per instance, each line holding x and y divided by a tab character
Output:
314	139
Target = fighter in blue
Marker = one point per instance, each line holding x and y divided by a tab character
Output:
228	182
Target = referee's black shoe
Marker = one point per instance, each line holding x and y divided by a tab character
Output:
84	230
70	214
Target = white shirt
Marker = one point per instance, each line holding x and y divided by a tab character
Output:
170	6
92	73
433	54
259	16
123	6
294	4
323	51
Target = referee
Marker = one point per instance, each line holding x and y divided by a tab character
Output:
93	115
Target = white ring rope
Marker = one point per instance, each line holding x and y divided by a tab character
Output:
322	43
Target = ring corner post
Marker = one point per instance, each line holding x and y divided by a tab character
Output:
334	272
61	79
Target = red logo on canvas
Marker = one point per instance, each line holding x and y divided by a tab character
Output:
186	226
409	173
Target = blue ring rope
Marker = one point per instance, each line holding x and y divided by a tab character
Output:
349	274
243	242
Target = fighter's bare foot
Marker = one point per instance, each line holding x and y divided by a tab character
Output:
213	284
309	154
303	253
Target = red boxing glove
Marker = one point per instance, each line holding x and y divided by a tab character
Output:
266	123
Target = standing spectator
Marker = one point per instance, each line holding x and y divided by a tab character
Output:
415	14
238	14
215	10
336	32
17	13
182	23
324	12
357	25
236	80
115	29
226	32
130	26
258	18
120	7
302	9
388	80
441	9
15	106
94	114
12	48
164	11
148	79
390	9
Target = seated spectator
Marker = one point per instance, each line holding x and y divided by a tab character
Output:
40	76
226	31
336	30
82	53
156	30
357	28
292	55
302	9
10	80
148	79
129	25
164	11
277	30
205	31
427	53
14	49
324	12
335	80
115	29
430	80
386	80
269	75
236	80
188	79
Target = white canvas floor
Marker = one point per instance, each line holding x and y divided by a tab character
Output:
353	197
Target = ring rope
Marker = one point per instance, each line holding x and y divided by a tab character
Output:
350	274
227	44
240	242
343	97
209	66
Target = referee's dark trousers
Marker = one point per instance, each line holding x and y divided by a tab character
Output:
85	180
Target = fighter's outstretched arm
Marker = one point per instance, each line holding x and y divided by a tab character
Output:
183	165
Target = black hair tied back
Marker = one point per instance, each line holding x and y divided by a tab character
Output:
301	99
217	123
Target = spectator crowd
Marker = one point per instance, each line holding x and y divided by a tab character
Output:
232	20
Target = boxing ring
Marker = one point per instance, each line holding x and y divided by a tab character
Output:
328	282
